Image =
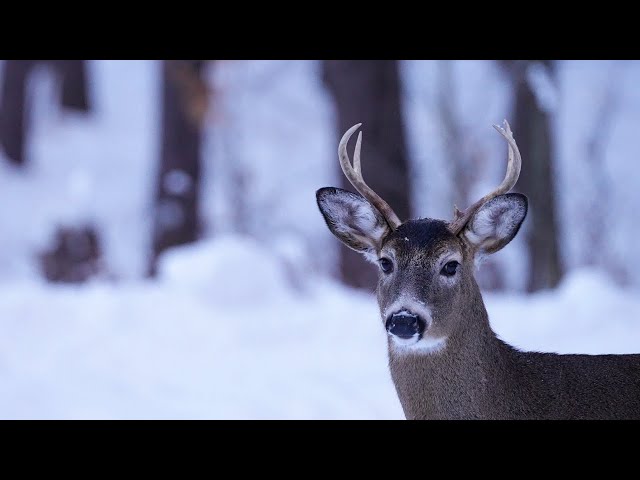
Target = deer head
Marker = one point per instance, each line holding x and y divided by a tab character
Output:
426	288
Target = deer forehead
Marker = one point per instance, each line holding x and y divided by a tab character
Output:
423	241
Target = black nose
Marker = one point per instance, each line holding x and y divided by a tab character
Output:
405	324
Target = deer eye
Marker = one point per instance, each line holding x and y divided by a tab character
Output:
386	265
450	268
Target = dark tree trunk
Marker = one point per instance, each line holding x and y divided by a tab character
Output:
13	110
532	131
369	91
74	84
14	121
177	189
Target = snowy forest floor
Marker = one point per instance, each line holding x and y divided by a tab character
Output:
210	341
225	332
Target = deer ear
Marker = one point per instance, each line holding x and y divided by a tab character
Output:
496	223
353	220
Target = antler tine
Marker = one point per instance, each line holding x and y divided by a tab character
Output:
514	164
356	155
354	175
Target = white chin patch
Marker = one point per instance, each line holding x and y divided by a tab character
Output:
416	345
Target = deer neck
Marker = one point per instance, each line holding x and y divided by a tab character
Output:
462	379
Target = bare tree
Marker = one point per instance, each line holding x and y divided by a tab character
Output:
184	104
14	118
74	94
532	128
369	92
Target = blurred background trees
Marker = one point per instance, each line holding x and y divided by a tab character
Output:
14	110
275	143
185	100
74	253
369	92
532	117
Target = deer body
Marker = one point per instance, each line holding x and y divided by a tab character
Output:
478	376
444	358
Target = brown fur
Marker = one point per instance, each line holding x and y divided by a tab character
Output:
475	375
478	376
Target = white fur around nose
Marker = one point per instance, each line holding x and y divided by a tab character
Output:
414	345
410	305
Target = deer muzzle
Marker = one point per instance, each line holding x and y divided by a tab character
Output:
405	325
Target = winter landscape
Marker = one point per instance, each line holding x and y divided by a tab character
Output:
250	321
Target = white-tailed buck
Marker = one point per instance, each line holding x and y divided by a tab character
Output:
445	361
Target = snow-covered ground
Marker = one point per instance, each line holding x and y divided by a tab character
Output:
251	326
221	335
224	335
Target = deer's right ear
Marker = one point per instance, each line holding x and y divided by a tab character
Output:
353	220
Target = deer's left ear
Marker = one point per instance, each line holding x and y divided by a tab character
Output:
496	223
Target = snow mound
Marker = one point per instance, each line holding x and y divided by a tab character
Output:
232	269
587	313
580	285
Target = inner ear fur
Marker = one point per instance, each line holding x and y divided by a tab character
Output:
353	220
496	223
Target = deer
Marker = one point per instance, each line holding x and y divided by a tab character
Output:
445	360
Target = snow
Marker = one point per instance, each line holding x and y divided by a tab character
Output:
247	323
585	314
232	270
223	336
228	341
540	82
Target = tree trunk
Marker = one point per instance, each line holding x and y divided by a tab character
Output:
14	124
13	114
532	131
177	189
369	91
74	84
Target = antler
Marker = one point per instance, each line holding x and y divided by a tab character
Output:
354	174
511	177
